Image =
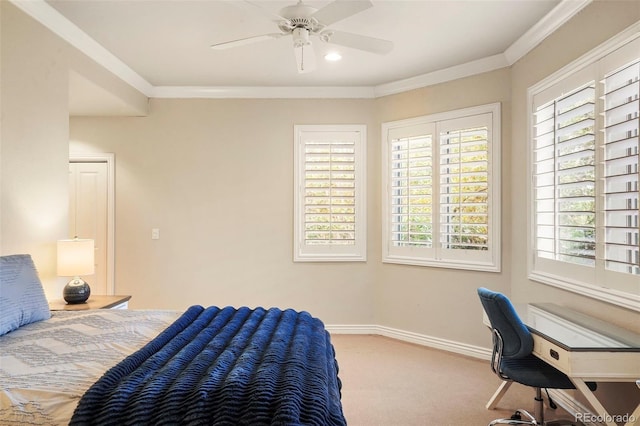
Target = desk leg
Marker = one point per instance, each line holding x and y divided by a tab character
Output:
600	410
502	389
634	416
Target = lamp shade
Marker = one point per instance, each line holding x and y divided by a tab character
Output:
76	257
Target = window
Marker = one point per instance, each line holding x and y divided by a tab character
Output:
441	190
330	219
584	191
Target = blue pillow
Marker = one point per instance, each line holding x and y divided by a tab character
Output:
22	299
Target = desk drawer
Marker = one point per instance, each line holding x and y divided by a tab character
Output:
589	365
552	354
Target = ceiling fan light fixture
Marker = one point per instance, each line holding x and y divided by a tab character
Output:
332	57
300	37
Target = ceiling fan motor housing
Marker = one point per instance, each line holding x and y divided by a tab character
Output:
310	24
298	16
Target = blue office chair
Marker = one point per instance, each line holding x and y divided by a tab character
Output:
512	358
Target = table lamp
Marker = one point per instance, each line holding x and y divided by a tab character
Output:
75	258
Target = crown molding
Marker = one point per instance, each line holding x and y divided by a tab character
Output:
42	12
441	76
48	16
553	20
364	92
263	92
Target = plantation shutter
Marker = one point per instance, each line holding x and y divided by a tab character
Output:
329	193
411	187
564	177
464	189
621	169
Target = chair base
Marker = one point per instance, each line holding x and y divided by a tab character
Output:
517	419
529	419
523	417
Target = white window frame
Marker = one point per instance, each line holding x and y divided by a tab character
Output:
588	281
356	252
435	256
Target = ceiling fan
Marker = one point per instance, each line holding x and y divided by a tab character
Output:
303	22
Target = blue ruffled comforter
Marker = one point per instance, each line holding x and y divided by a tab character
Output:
224	366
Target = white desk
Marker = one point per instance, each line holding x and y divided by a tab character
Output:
582	347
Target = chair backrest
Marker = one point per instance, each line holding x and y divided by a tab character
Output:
516	337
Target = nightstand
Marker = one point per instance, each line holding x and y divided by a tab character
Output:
94	302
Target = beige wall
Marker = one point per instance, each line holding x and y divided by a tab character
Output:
34	137
33	157
443	302
216	177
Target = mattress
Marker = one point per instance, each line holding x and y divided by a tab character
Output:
46	366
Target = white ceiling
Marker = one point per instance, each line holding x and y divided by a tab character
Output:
162	47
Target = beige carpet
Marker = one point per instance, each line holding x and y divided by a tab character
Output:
386	382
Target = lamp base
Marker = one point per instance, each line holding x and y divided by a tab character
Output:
76	291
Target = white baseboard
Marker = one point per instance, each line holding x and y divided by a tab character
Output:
411	337
352	329
560	397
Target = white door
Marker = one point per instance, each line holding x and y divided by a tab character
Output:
88	216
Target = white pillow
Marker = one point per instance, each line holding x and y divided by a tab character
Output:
22	299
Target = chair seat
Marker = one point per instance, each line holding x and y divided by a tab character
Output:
532	371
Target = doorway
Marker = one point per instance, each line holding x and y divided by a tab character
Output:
91	213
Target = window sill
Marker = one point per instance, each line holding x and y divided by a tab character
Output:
467	266
604	294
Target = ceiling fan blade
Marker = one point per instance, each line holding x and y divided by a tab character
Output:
305	58
357	41
340	9
265	12
244	41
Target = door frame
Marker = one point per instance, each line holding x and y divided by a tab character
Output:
108	158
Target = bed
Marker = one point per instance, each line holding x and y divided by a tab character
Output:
206	365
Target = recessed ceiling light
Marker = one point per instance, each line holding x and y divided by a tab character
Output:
333	56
